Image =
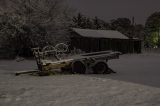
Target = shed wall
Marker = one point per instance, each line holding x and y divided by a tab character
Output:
101	44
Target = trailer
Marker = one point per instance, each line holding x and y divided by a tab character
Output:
95	62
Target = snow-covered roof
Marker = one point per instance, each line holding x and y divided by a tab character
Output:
100	33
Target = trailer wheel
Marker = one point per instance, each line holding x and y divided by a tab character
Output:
79	67
100	68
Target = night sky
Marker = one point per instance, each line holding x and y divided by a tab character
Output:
111	9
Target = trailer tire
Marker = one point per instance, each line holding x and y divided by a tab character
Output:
78	67
100	68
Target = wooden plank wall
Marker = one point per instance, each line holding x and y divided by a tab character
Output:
99	44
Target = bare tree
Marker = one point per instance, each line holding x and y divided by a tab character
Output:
35	22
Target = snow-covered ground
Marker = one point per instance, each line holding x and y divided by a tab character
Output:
142	69
136	83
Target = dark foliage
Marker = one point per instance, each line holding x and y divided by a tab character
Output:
152	29
81	21
123	25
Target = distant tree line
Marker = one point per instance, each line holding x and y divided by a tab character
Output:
124	25
149	33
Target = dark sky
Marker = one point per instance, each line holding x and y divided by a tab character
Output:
110	9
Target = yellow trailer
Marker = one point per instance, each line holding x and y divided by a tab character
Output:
95	62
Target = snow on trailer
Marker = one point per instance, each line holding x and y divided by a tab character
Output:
95	62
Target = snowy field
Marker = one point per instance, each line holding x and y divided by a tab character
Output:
136	83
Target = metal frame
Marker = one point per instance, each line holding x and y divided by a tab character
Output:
88	59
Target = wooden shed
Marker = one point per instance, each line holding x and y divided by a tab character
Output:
90	40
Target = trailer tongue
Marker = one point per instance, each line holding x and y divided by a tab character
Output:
95	62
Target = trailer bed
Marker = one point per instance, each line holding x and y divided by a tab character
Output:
81	63
94	55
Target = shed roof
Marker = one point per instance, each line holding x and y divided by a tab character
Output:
100	33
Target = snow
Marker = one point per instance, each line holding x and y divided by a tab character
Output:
142	69
136	83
